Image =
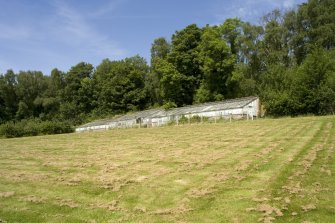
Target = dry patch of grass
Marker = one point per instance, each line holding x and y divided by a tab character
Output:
276	170
7	194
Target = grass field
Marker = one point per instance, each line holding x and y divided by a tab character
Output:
271	170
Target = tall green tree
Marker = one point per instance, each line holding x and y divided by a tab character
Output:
49	102
231	31
275	46
76	96
8	95
276	59
3	115
122	85
315	83
30	86
217	64
248	70
321	22
101	78
171	83
184	57
160	49
312	24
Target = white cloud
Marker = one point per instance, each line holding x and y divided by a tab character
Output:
281	4
106	8
72	28
250	10
61	37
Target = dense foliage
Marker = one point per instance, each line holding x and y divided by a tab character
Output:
34	128
288	61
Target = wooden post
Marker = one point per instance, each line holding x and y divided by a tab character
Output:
177	120
215	119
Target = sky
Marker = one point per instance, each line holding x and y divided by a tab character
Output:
45	34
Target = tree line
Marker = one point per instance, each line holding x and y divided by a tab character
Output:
288	61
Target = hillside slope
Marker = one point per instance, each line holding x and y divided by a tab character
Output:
272	170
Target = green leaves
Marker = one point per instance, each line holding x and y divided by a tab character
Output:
315	82
120	85
217	62
171	82
160	49
78	91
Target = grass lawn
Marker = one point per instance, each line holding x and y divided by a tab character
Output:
266	170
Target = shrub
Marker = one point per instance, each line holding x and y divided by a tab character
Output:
10	130
33	128
53	127
169	105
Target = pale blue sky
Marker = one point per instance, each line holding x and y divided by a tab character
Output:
46	34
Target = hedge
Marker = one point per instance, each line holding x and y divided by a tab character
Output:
33	128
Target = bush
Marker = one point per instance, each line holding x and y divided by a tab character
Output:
33	128
169	105
10	130
53	127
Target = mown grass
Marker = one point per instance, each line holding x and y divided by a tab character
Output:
271	170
